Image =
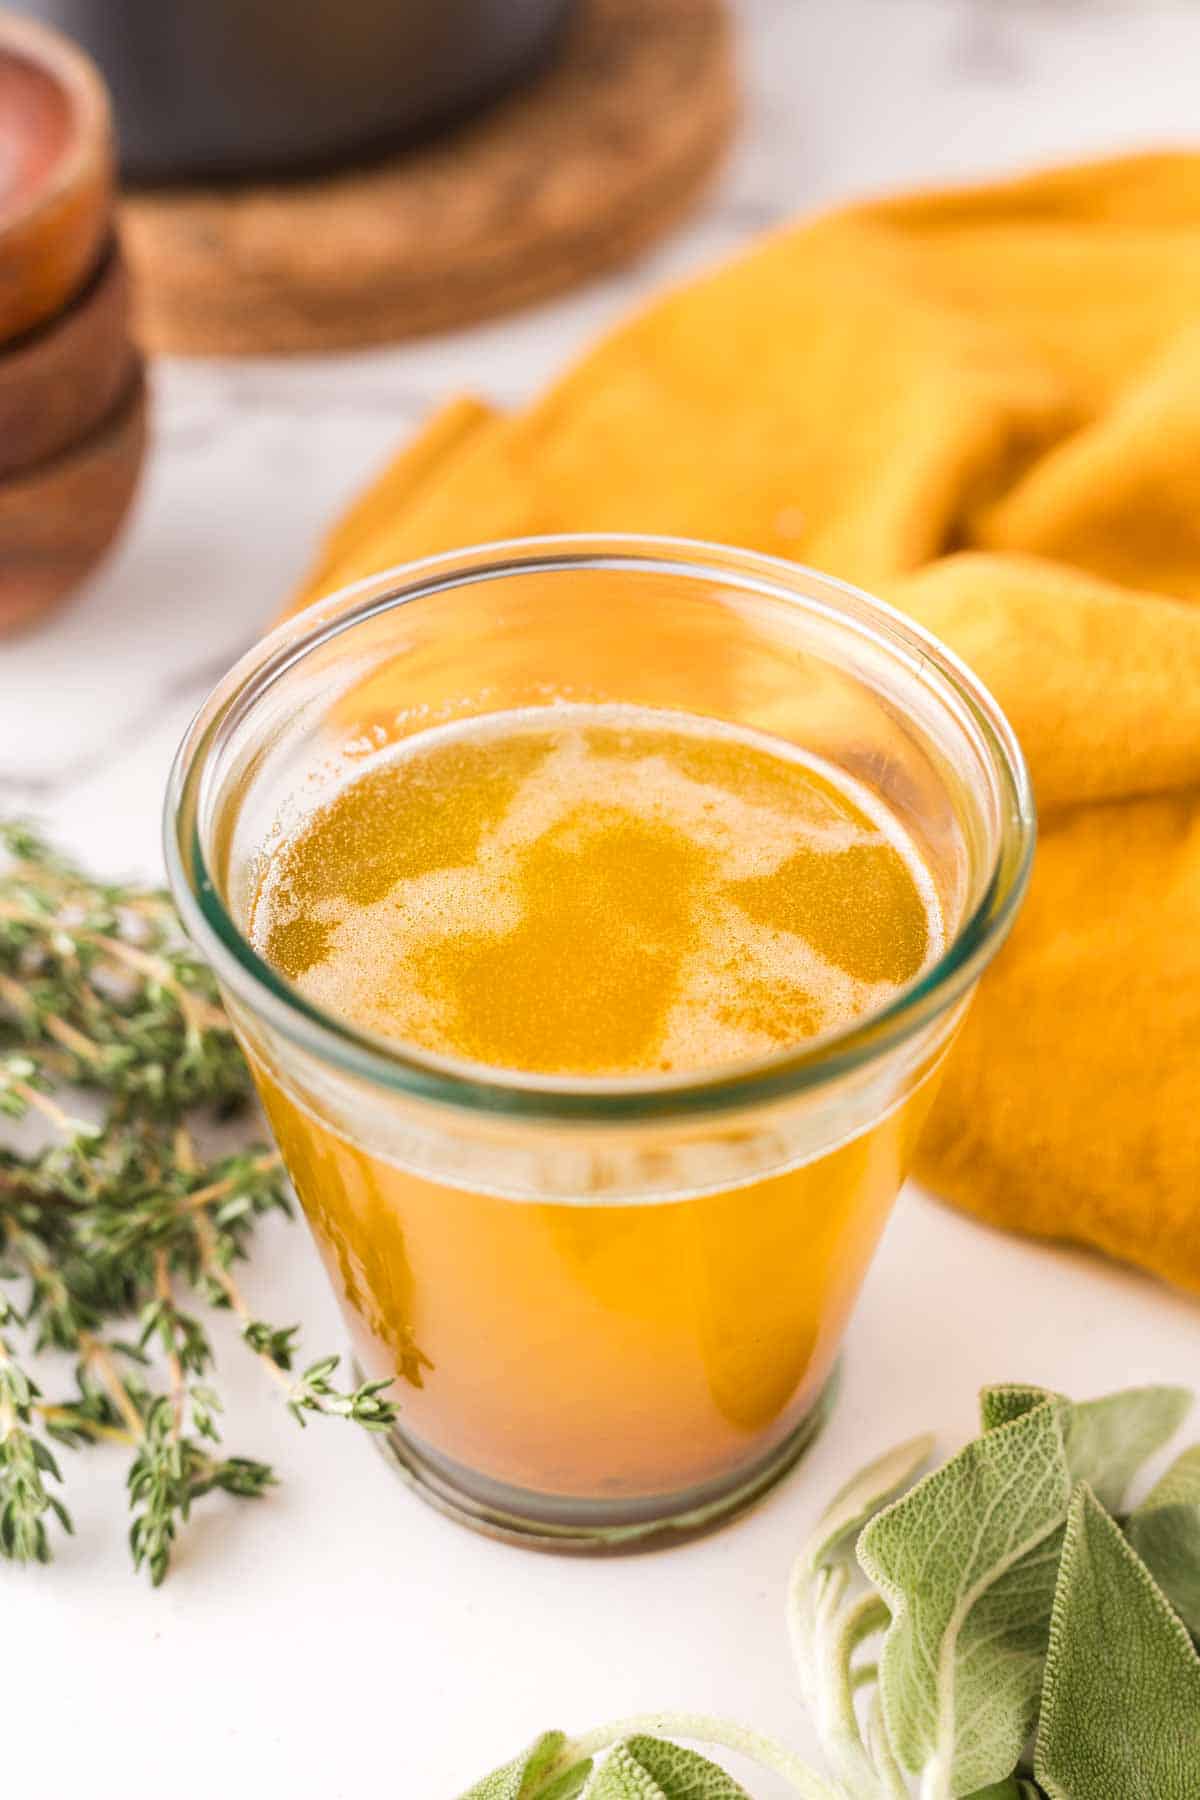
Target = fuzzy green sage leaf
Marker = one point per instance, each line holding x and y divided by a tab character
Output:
568	1784
1107	1440
1120	1713
873	1488
1165	1532
827	1623
1002	1404
967	1562
968	1570
631	1757
526	1777
646	1768
1015	1788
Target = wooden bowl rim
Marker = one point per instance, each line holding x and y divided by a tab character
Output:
131	400
76	76
111	270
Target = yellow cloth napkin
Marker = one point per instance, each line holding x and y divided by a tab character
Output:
985	406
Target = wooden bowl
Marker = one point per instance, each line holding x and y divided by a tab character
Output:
59	382
57	520
56	172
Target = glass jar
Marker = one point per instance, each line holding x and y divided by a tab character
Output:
612	1307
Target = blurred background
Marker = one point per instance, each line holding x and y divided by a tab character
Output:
252	456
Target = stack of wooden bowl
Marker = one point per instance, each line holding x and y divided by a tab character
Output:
72	387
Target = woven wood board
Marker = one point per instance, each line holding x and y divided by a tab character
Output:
574	173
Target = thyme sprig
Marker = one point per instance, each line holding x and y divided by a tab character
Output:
117	1235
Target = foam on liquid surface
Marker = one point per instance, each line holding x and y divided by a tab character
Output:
598	891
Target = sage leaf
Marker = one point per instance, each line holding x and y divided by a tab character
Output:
1109	1440
1165	1532
826	1626
1001	1405
967	1561
1121	1701
646	1768
569	1784
876	1486
1015	1788
525	1778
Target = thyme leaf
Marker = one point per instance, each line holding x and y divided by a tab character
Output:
117	1237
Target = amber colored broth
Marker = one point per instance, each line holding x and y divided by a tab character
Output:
597	892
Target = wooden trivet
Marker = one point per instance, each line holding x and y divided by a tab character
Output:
571	174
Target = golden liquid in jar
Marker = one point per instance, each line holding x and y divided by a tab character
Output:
597	891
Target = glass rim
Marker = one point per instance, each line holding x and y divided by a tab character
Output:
479	1087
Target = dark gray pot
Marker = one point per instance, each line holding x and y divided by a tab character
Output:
244	87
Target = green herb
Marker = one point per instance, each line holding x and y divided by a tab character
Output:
1121	1703
1165	1532
1027	1650
644	1766
113	1225
963	1563
828	1617
635	1760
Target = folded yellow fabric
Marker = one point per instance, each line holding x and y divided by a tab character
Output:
984	405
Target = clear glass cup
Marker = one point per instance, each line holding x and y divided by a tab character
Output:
612	1307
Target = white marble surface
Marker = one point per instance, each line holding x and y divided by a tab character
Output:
339	1640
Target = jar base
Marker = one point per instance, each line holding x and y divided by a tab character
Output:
596	1527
